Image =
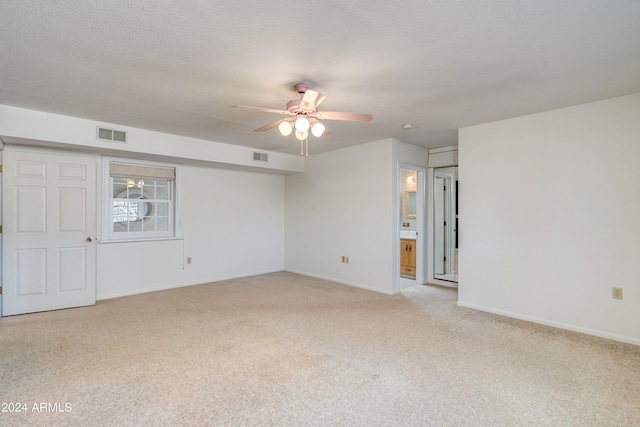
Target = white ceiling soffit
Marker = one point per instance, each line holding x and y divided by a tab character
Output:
178	67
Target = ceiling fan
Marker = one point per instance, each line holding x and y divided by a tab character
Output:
304	116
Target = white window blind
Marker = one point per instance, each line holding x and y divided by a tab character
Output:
130	170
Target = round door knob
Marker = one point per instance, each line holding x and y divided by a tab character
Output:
89	239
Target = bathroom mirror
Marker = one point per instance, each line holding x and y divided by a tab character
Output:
410	203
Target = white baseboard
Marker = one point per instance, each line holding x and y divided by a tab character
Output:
344	282
179	285
560	325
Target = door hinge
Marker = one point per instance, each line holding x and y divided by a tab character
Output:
445	258
0	290
0	168
0	229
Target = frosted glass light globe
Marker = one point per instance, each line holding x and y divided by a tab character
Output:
302	124
317	129
285	128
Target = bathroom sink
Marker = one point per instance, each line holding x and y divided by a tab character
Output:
405	234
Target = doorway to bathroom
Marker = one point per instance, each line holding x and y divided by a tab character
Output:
411	255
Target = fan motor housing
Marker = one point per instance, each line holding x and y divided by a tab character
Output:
293	106
301	88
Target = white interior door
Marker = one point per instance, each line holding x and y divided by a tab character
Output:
49	227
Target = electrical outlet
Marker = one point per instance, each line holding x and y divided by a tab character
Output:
188	260
617	293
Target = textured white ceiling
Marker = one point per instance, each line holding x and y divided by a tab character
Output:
178	66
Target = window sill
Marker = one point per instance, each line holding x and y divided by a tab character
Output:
150	239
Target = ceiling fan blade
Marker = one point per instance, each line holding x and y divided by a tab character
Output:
311	100
263	110
271	125
335	115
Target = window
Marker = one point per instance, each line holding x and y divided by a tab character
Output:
140	200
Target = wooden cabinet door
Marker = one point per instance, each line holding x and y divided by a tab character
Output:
411	256
407	257
404	252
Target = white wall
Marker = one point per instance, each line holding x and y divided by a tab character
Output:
22	126
342	205
233	225
549	217
232	219
346	203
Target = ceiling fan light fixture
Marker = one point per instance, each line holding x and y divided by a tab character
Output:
317	129
304	117
285	128
302	123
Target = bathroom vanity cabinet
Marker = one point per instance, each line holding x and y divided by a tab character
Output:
408	257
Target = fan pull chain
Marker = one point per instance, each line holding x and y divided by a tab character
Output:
304	147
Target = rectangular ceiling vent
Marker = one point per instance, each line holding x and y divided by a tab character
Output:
112	135
260	157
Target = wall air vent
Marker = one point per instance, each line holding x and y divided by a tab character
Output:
260	157
111	135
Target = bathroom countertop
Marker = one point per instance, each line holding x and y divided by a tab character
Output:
408	234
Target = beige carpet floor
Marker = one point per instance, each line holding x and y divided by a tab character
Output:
288	350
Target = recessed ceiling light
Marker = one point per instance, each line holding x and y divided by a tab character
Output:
407	126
